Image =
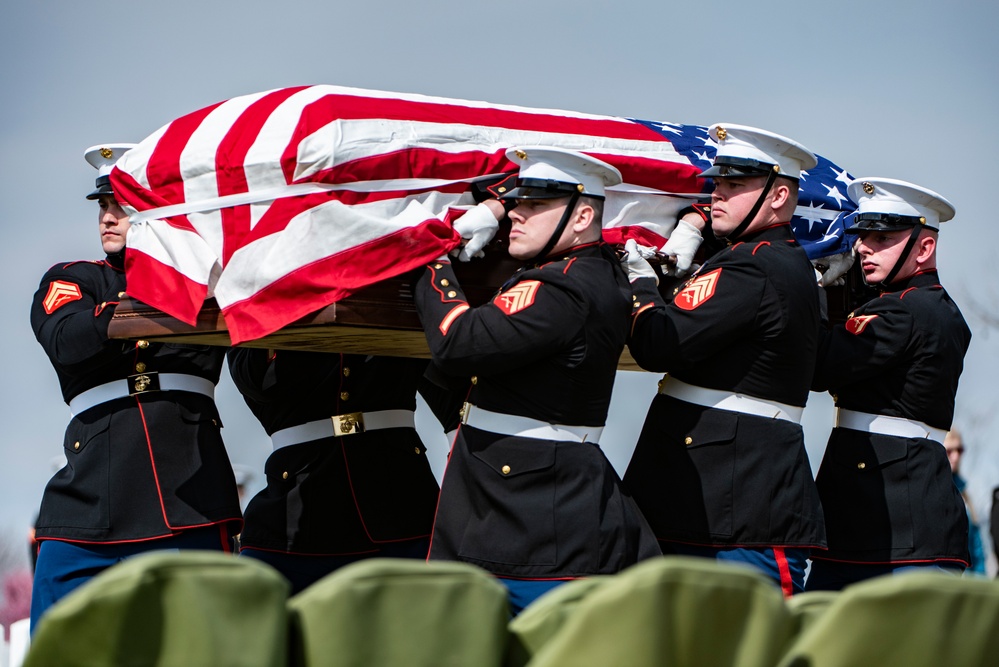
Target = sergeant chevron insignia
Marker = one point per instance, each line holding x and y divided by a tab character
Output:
856	325
60	293
518	297
697	291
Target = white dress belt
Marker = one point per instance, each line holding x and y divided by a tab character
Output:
726	400
885	425
525	427
339	425
140	383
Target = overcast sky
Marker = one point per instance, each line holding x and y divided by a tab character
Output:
899	89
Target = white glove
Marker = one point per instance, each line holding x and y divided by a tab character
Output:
682	244
836	267
478	225
634	262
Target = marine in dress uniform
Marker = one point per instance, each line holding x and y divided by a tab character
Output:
720	469
349	477
886	485
527	493
146	466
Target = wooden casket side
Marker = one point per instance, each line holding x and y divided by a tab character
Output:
380	319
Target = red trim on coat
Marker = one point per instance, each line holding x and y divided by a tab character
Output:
894	562
152	461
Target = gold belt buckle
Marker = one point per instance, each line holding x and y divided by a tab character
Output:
142	383
466	408
348	424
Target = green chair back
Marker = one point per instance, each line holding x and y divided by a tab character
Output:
392	612
921	619
808	607
169	609
544	617
675	611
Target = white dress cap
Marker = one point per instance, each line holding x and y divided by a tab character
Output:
873	194
103	157
741	141
564	166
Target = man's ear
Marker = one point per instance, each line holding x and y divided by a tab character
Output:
585	216
925	247
781	193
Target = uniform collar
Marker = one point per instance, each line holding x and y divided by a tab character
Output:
928	278
117	260
777	232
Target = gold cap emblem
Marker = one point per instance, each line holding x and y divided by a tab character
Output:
721	132
868	187
106	153
521	154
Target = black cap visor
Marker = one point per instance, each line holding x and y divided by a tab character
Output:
737	167
103	188
543	188
885	222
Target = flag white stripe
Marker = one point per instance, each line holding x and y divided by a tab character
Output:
322	231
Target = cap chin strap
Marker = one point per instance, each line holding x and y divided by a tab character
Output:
909	245
557	234
738	231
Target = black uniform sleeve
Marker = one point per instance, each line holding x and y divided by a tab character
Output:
535	317
69	316
709	311
252	371
444	395
864	345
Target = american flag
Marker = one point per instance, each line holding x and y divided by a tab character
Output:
282	202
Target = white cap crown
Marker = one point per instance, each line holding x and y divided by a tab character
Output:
565	166
750	143
874	194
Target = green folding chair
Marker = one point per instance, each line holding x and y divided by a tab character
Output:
920	619
399	612
544	617
675	611
807	608
167	609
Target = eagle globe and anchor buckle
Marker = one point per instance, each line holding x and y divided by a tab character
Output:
348	424
143	383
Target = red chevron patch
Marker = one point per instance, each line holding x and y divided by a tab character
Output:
697	291
856	325
60	293
518	297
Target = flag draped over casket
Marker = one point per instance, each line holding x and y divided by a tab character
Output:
282	202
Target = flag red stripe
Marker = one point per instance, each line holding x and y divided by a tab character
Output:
335	277
229	160
158	284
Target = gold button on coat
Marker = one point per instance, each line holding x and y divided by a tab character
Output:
688	440
76	445
861	465
475	379
143	344
140	367
445	282
346	372
505	470
121	294
416	450
344	395
284	475
452	294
